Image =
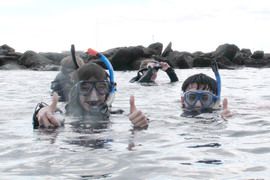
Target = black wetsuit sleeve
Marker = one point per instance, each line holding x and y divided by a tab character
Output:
134	79
172	75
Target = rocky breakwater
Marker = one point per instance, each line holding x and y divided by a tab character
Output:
228	56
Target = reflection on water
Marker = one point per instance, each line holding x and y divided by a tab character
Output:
173	147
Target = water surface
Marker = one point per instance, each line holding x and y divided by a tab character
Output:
173	147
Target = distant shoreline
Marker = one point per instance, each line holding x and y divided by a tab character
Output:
228	56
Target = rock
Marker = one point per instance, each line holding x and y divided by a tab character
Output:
12	66
182	60
55	57
226	50
224	62
33	60
202	62
124	57
153	49
247	52
257	55
239	58
110	52
250	62
167	50
5	49
267	56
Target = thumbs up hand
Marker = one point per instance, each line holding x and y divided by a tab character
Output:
226	112
46	116
137	117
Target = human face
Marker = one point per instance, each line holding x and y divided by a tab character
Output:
93	93
155	67
198	97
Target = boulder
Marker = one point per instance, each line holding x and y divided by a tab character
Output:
153	49
226	50
224	62
167	50
33	60
182	60
124	57
250	62
5	49
246	51
257	55
202	62
12	66
55	57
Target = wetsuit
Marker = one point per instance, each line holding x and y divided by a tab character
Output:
62	85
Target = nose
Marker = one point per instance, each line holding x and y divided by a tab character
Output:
198	104
93	95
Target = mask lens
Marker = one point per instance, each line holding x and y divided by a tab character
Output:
191	98
206	99
85	87
102	87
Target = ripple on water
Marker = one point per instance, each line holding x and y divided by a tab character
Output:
173	147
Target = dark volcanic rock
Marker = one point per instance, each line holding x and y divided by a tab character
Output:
33	60
257	55
226	50
202	62
124	57
182	60
153	49
54	57
167	50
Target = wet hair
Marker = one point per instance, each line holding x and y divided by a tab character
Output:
67	62
145	62
202	80
90	70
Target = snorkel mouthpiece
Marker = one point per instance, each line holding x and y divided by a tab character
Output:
214	67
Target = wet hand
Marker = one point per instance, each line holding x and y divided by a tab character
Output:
137	117
226	112
164	66
46	117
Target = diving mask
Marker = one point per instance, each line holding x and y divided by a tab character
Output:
206	98
102	87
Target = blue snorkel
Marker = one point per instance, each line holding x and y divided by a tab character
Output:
214	67
110	69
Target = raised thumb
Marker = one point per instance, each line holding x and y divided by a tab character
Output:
55	98
132	104
225	103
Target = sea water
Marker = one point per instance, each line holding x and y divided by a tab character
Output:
173	147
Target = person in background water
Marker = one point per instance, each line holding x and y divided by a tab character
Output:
149	69
64	79
89	98
200	95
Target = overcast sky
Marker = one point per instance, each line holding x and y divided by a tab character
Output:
191	25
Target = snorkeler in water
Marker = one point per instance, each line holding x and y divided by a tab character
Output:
64	79
149	69
201	94
90	98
